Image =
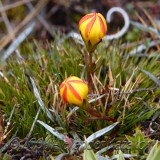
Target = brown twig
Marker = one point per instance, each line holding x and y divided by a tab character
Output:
98	115
5	40
13	5
40	18
151	34
6	21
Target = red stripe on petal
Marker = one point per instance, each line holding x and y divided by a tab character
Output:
102	25
90	25
61	86
86	17
64	95
75	93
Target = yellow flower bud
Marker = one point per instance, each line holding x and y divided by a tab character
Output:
93	28
74	90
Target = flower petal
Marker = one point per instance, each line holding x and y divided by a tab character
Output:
73	90
93	28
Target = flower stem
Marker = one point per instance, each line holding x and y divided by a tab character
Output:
90	68
99	115
96	113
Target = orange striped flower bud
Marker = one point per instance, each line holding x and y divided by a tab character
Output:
93	28
74	90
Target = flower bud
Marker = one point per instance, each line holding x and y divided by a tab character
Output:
93	28
74	90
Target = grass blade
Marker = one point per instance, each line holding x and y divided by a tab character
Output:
98	134
37	95
124	155
61	156
120	155
52	130
152	77
154	153
57	117
88	153
102	158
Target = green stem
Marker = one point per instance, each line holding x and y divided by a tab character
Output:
95	113
90	72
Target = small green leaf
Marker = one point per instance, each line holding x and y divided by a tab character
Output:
88	153
120	155
2	93
154	153
6	157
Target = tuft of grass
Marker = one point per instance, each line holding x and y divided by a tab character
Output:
129	96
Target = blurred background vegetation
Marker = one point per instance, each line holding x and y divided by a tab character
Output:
52	16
